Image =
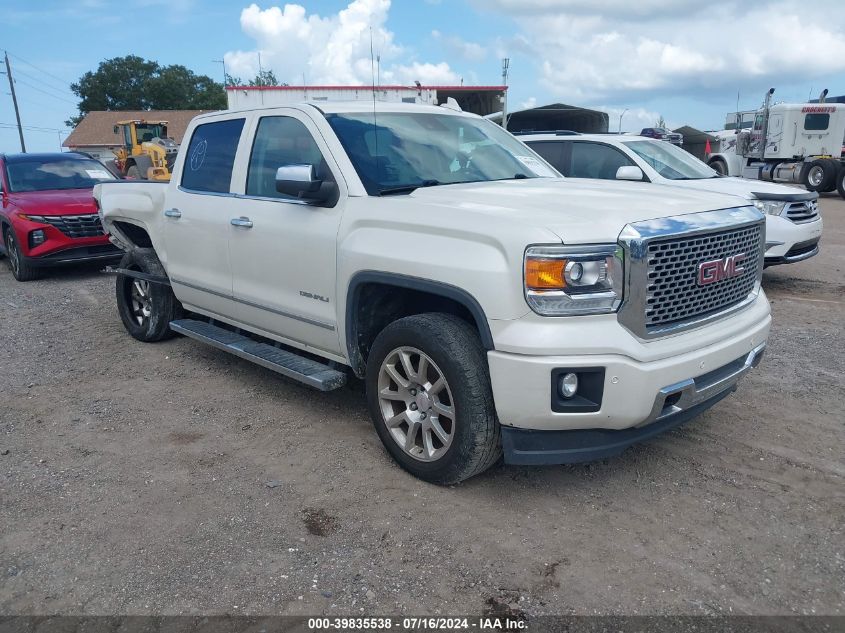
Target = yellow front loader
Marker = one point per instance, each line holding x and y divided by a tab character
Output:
147	152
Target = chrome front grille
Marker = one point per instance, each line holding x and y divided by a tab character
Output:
673	293
803	211
75	226
662	259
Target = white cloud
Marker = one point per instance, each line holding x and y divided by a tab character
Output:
633	119
617	50
458	47
530	102
334	49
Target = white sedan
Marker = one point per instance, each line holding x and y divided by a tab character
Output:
793	223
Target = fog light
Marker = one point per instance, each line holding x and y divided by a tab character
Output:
37	237
568	385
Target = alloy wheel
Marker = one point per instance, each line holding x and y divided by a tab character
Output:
12	252
140	303
416	404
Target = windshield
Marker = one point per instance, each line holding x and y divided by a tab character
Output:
146	132
398	152
670	161
42	174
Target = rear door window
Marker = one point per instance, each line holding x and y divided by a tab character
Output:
211	156
596	160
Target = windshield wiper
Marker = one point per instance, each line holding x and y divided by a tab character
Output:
389	191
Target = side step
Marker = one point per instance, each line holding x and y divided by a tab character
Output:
305	370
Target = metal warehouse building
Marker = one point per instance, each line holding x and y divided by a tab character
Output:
481	100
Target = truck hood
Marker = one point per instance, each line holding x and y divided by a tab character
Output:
577	211
748	189
54	202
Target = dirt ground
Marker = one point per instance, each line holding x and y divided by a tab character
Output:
175	479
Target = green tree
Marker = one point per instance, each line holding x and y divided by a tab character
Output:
263	78
134	83
661	122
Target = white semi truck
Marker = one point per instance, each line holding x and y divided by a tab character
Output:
790	143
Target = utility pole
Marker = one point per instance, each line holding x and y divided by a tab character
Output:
506	62
15	101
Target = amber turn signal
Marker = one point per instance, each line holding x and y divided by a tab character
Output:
544	274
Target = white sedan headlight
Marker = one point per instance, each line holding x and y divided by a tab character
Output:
573	280
770	207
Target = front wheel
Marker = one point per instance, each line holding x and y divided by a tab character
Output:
146	308
21	270
429	395
719	166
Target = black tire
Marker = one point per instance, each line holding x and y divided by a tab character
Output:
133	172
834	167
21	270
840	181
815	181
455	348
146	308
719	166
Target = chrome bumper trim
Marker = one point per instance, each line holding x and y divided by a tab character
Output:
692	391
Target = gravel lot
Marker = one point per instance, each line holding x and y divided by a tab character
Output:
175	479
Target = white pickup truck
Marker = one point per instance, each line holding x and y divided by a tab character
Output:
490	306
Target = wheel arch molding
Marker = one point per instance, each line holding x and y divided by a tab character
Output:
360	332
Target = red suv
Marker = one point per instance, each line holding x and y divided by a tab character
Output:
48	215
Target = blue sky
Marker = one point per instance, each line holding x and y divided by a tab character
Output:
683	59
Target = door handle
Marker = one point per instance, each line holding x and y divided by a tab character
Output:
173	213
242	222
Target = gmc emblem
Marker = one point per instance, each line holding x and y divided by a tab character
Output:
720	269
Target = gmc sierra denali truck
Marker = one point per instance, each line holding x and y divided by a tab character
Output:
491	306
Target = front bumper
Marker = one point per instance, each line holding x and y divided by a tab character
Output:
798	253
673	405
788	242
78	255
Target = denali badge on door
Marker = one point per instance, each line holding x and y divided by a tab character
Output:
720	269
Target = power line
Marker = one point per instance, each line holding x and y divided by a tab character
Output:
34	128
45	92
18	71
59	79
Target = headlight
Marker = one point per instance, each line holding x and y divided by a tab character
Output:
573	280
771	207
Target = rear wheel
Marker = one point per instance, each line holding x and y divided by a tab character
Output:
21	270
146	308
818	174
719	166
429	395
834	167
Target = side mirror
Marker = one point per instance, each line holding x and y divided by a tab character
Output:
300	181
629	172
